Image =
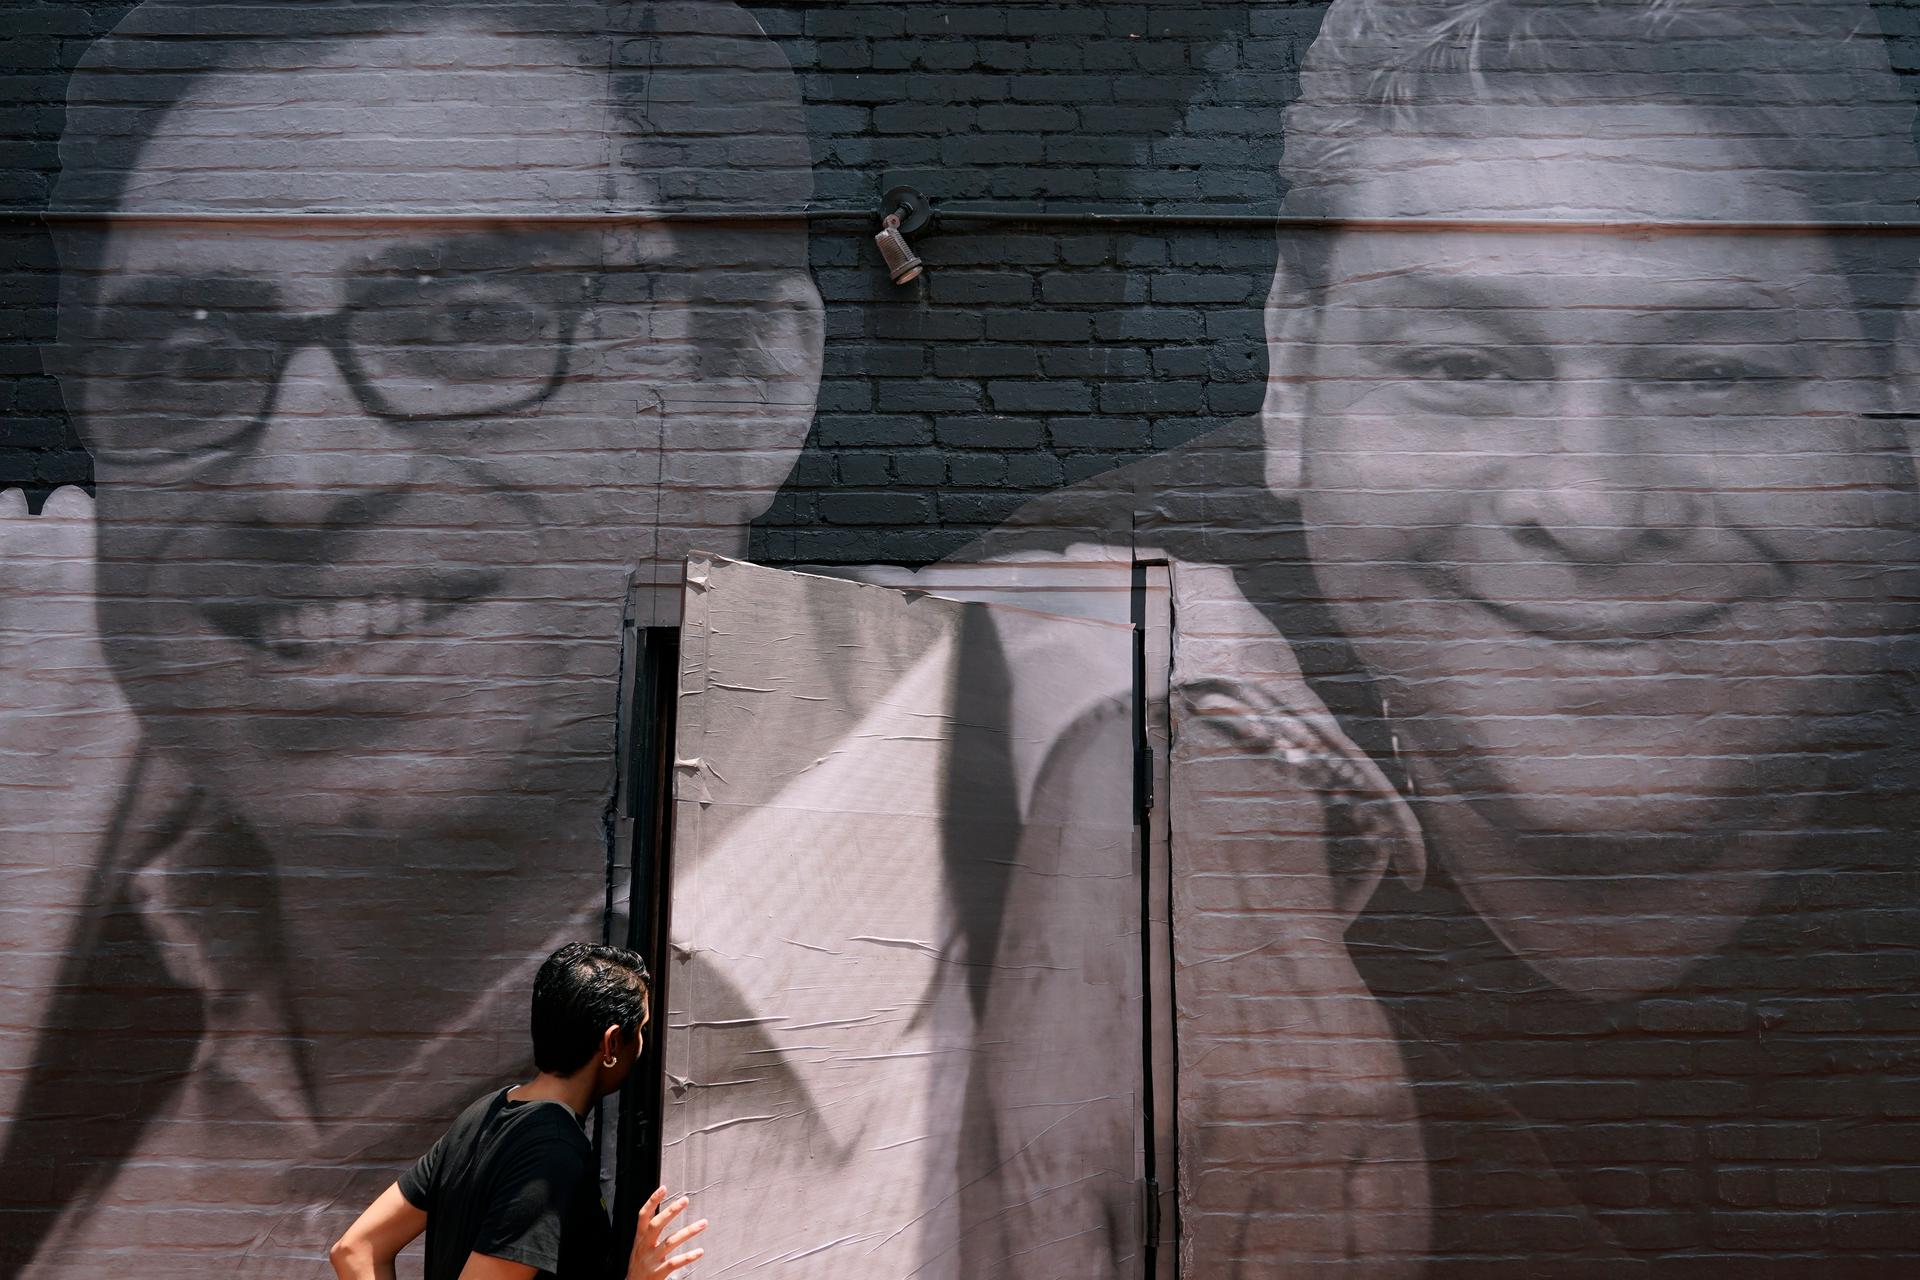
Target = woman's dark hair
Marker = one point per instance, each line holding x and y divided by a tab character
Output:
581	990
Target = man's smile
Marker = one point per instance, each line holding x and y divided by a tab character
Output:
1607	605
1612	622
292	629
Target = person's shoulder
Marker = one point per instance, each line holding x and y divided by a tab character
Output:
481	1107
535	1140
494	1117
1190	502
552	1122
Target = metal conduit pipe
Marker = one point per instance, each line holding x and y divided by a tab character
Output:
979	217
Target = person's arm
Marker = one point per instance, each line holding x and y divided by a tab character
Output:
389	1225
481	1266
652	1258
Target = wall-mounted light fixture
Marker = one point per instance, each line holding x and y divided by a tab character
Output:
903	211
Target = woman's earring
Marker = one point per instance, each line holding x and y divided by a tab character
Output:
609	1062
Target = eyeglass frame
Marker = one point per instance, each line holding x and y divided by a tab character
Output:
331	331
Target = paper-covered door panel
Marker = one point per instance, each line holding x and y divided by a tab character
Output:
903	1004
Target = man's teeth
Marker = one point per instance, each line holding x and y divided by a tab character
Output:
378	618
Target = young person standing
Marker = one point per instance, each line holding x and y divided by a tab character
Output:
510	1192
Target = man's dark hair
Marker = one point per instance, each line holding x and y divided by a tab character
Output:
701	105
703	112
581	990
1798	96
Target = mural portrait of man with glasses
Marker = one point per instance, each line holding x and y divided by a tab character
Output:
397	393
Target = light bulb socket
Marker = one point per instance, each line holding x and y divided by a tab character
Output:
903	211
902	263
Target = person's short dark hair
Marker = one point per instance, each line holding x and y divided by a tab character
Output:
581	990
703	109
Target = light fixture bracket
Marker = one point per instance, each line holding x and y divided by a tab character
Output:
914	210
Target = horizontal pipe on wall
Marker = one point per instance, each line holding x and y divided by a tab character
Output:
984	217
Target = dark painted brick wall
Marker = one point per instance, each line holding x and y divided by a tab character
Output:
1030	357
1027	357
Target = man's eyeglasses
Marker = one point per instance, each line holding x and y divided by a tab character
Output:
189	365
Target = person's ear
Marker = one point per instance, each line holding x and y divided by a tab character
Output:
735	431
735	416
611	1046
786	358
789	347
1290	317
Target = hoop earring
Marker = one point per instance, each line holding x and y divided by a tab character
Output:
609	1062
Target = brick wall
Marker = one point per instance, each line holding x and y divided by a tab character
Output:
1027	357
1693	1051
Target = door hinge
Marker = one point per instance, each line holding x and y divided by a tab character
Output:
1151	1216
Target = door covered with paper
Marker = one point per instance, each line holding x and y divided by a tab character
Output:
903	1010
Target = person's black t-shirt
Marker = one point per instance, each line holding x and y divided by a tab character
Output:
512	1180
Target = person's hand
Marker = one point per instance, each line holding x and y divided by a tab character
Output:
653	1248
1300	1143
66	741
